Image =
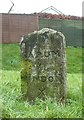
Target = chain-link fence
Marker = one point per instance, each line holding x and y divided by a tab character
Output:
72	29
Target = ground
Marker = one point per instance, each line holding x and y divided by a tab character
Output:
10	88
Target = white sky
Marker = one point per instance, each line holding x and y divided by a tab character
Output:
68	7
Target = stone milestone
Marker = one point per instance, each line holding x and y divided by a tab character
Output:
43	63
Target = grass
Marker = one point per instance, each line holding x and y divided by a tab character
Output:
14	107
10	88
11	57
74	60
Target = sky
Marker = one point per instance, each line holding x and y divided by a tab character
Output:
68	7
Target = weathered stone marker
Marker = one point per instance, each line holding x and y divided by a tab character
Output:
43	65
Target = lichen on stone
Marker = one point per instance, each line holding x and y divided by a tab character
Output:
43	65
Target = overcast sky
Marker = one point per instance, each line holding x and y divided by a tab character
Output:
68	7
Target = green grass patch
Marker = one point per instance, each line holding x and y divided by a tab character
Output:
11	103
74	60
14	107
11	57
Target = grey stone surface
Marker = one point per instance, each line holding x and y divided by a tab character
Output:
43	65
